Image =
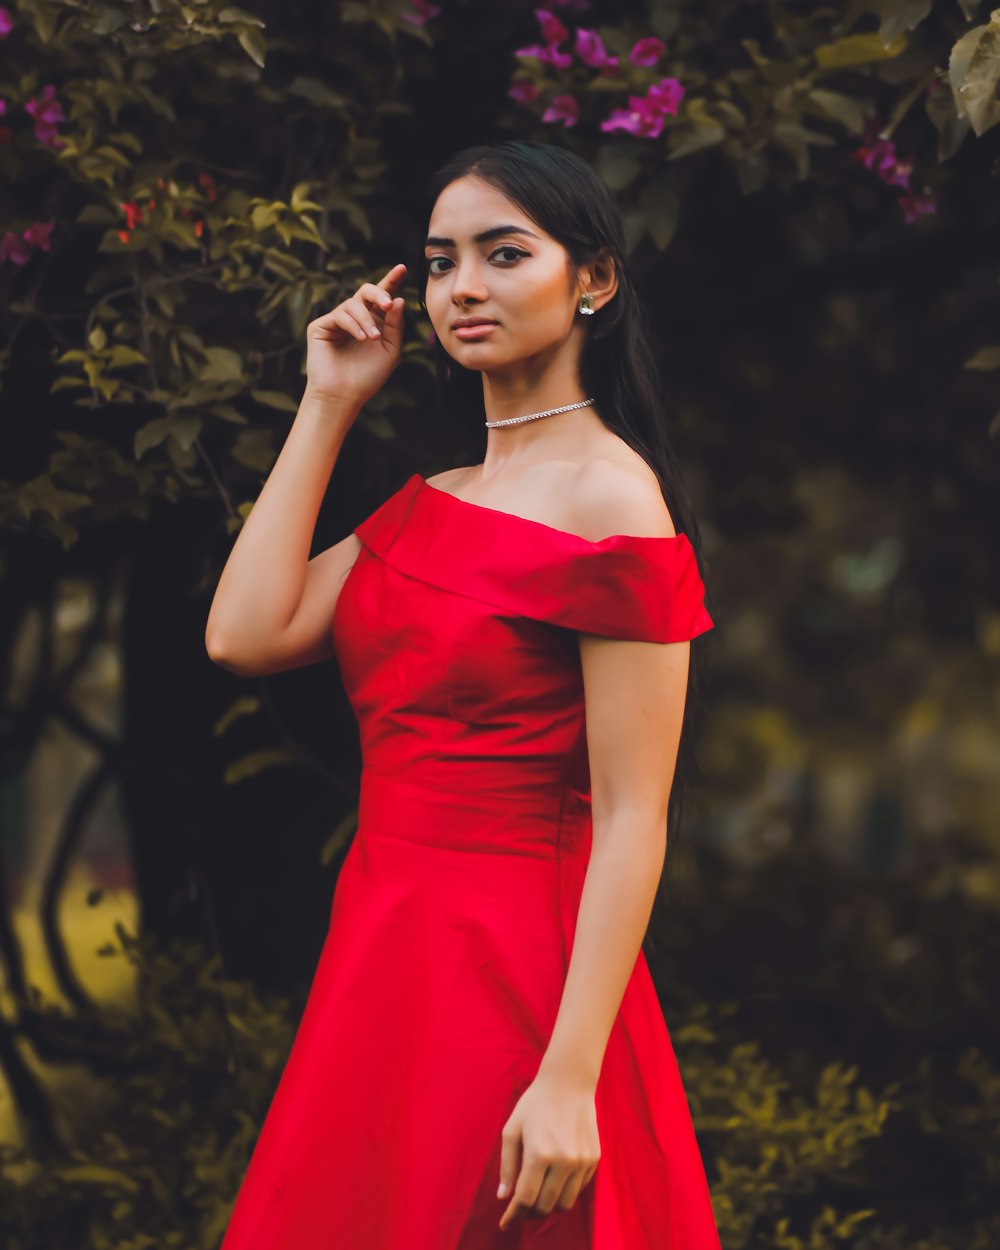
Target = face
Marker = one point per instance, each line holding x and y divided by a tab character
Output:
516	275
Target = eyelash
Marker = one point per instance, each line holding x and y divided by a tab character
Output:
506	248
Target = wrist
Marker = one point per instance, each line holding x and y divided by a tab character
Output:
328	402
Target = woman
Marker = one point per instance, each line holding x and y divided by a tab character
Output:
482	1061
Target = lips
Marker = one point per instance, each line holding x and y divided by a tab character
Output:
472	321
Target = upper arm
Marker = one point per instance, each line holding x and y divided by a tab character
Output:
634	690
308	637
634	693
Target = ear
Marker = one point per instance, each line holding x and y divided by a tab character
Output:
600	277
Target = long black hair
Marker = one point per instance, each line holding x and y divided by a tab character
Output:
563	195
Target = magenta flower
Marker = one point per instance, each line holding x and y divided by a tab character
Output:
6	23
879	156
3	107
553	31
423	10
900	175
549	54
915	205
523	90
47	112
39	234
563	108
645	114
590	49
647	51
13	248
666	95
640	118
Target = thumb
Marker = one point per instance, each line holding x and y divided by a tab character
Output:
510	1157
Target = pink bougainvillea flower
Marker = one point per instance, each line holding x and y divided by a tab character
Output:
647	51
666	95
38	234
563	108
916	205
644	115
900	175
591	51
550	54
553	31
14	249
523	90
422	10
640	118
46	111
6	23
3	107
879	156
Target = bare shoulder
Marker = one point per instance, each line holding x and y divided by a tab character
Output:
449	477
618	496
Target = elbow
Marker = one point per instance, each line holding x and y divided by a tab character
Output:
221	653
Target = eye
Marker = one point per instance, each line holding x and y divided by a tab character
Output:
506	248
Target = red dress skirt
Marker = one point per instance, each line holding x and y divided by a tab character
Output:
453	916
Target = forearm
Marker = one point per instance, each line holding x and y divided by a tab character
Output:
263	579
616	902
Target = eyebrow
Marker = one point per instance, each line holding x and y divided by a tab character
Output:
483	236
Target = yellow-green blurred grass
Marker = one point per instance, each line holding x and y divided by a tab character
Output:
85	929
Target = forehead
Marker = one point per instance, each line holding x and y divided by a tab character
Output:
469	207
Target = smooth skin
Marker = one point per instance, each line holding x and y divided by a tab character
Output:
273	605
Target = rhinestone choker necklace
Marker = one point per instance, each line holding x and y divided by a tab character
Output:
533	416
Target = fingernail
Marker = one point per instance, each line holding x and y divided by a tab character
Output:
502	1191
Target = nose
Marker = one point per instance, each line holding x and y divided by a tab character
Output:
467	286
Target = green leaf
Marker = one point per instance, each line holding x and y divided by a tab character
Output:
254	449
857	50
276	399
97	339
851	113
254	763
244	706
987	357
254	45
224	365
232	14
122	355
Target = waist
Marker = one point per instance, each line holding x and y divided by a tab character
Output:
554	823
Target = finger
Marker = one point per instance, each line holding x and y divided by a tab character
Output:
551	1187
571	1190
510	1162
353	327
358	309
394	275
528	1185
376	297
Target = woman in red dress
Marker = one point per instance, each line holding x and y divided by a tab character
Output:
482	1061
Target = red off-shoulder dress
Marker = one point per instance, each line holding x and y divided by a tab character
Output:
453	916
